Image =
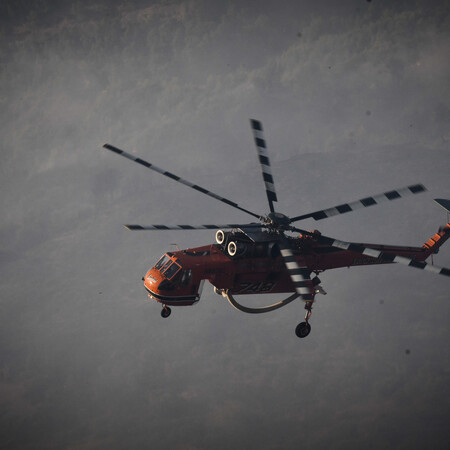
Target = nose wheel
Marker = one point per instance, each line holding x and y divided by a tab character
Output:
304	328
165	312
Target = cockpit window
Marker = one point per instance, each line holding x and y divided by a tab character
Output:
165	266
161	262
172	270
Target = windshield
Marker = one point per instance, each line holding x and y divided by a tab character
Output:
171	270
161	262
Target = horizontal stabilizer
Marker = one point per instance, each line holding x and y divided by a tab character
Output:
444	203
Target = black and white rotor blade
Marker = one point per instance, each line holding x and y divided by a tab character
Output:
191	227
388	257
300	276
362	203
260	142
177	178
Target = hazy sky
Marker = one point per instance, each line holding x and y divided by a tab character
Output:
354	97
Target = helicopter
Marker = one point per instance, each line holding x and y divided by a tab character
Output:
260	257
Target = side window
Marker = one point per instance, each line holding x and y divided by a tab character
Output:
186	277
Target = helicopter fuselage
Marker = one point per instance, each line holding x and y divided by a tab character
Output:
256	267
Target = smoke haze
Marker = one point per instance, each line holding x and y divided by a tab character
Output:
354	98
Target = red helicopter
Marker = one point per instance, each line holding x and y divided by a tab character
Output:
261	258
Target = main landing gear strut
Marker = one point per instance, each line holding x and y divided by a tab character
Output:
304	328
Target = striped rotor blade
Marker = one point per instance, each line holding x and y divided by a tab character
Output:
377	254
260	142
177	178
363	203
190	227
300	276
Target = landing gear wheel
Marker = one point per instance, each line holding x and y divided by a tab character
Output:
302	329
165	312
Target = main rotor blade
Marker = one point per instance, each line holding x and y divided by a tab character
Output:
377	254
363	203
300	276
177	178
190	227
260	142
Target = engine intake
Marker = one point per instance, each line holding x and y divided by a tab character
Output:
220	237
236	248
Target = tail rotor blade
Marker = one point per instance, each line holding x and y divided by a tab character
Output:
260	142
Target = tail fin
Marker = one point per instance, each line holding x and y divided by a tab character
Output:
433	244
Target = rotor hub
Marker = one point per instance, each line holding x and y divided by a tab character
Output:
278	220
